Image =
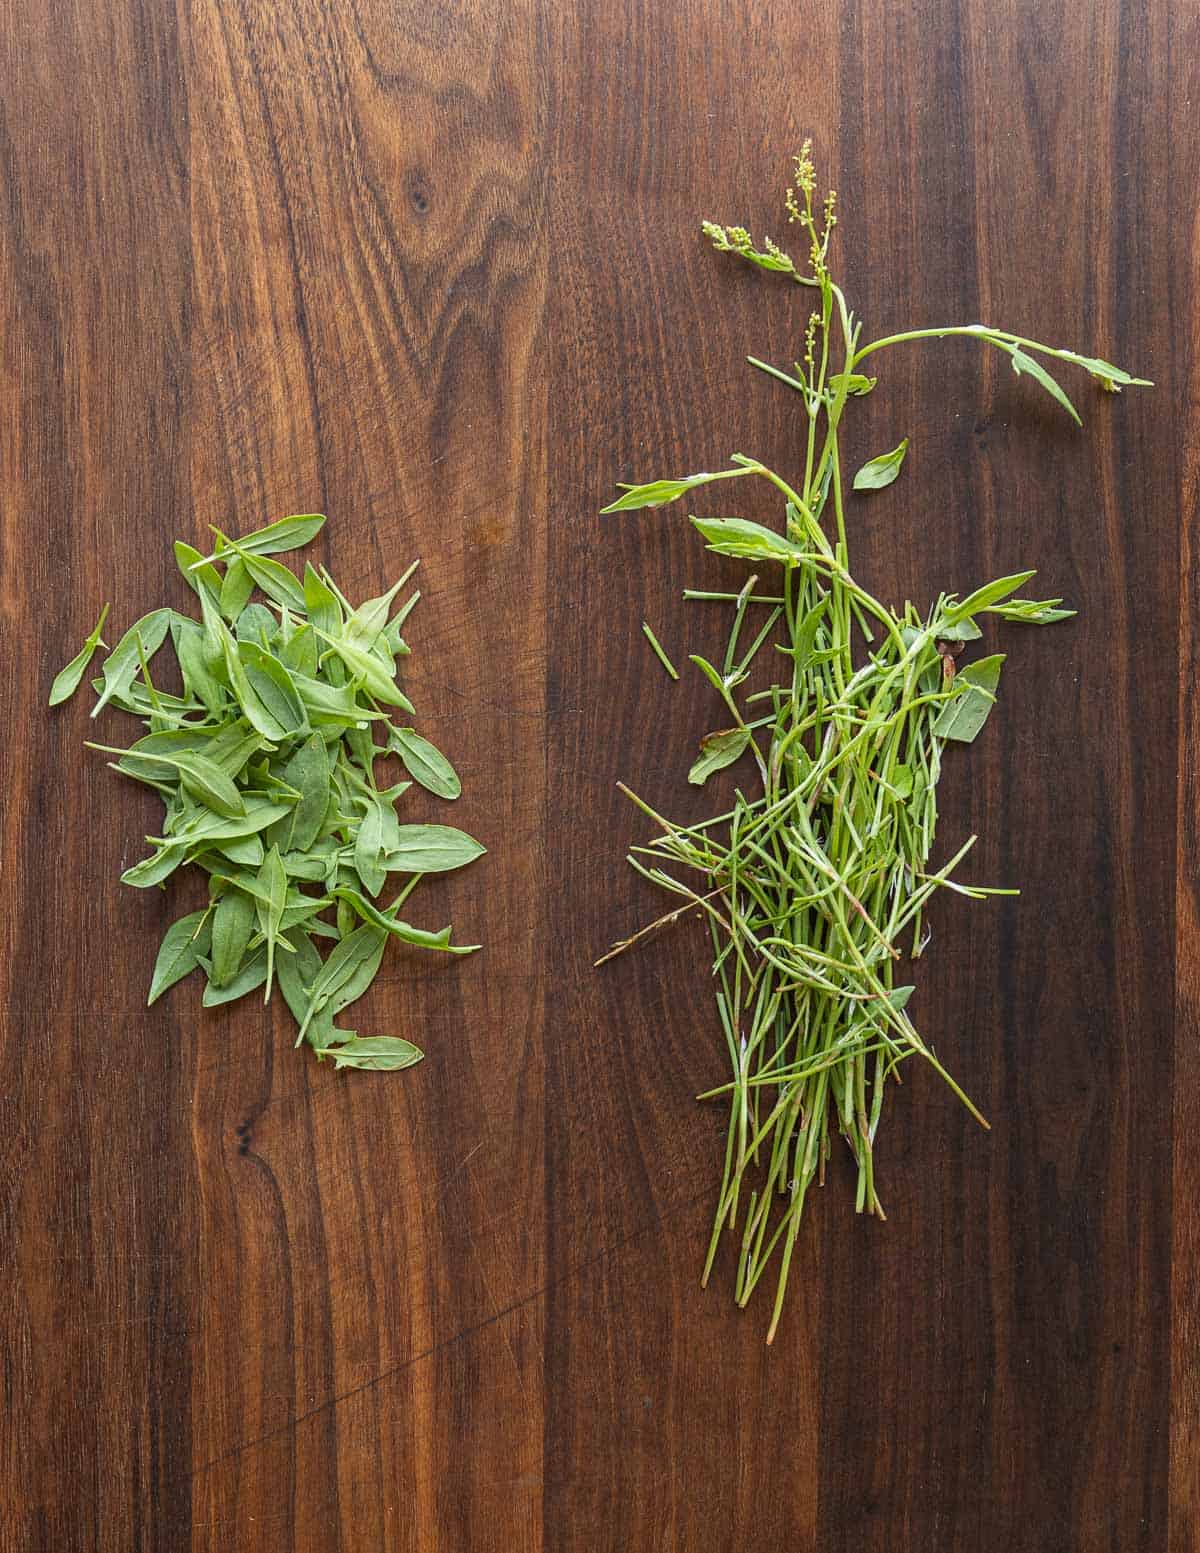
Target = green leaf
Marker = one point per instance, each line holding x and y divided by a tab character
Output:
300	652
718	750
209	827
301	912
160	865
974	696
265	691
235	589
254	623
368	850
718	682
272	881
66	681
248	979
197	572
855	384
901	781
165	710
382	1053
257	886
346	974
273	686
425	762
321	603
1108	376
982	598
432	849
398	929
296	973
308	773
391	632
369	619
964	630
363	750
233	923
657	494
1023	363
275	580
245	851
332	704
234	744
310	868
207	783
1032	611
202	779
183	942
151	749
739	537
879	472
256	713
355	984
214	638
289	533
189	649
122	664
364	666
805	638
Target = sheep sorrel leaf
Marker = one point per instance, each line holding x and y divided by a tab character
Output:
66	681
880	472
816	879
266	768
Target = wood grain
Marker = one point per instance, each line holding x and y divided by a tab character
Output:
434	269
1183	1423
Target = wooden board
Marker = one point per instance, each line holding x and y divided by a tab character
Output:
435	270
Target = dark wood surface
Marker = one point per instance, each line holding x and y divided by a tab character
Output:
434	269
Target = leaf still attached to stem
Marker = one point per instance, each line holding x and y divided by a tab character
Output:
815	882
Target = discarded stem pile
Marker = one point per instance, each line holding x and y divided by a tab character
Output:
266	767
816	882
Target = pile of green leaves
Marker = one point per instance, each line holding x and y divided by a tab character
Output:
265	763
816	879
